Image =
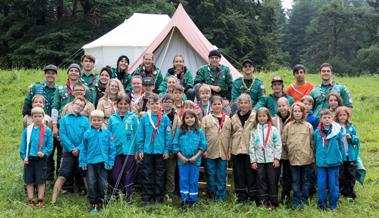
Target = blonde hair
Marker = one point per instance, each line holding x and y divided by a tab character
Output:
204	88
97	113
307	98
38	96
37	110
121	90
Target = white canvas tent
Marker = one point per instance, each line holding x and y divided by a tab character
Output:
130	38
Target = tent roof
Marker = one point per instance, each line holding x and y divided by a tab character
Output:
138	30
182	22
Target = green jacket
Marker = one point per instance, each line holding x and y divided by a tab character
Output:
256	92
157	75
270	102
39	89
320	92
186	79
91	82
126	79
208	75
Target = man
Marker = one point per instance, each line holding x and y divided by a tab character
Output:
248	83
216	75
270	101
148	69
300	87
88	76
327	86
46	89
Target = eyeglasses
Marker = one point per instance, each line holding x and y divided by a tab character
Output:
167	102
79	105
79	90
247	66
113	86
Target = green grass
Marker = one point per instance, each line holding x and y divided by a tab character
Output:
14	84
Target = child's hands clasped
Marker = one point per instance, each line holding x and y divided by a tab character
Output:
75	152
193	159
40	154
165	156
183	159
276	163
84	168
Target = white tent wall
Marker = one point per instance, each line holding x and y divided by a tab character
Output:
178	45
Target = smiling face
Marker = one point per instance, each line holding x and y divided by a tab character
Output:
262	117
38	102
154	106
178	63
248	69
87	64
50	76
123	107
244	105
343	117
277	87
205	95
73	74
96	122
214	61
189	120
326	74
283	107
113	88
171	82
104	77
79	91
123	65
217	106
78	106
168	104
148	60
137	84
333	102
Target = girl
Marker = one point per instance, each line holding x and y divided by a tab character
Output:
121	72
217	128
297	139
242	125
351	152
108	103
334	101
37	101
123	126
189	144
105	75
171	83
265	152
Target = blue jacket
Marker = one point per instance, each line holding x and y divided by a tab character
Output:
189	143
312	119
162	140
353	144
124	132
98	146
47	143
71	131
329	155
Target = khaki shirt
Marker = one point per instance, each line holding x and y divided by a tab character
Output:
241	135
277	122
218	140
28	119
297	139
108	107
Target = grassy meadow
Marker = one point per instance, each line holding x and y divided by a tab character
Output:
14	84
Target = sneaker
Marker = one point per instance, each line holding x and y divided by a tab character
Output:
82	192
168	198
94	210
39	203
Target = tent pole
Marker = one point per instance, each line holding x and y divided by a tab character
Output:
165	51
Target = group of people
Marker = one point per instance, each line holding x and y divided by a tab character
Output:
126	132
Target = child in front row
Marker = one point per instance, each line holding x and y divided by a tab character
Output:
329	149
265	152
297	140
154	144
96	157
243	121
123	126
217	129
36	145
189	144
351	151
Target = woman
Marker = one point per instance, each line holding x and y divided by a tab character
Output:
121	72
105	75
107	103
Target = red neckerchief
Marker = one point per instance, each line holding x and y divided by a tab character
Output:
321	134
218	73
68	86
156	126
267	134
41	135
221	123
151	71
181	112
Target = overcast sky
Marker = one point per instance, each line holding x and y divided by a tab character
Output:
287	4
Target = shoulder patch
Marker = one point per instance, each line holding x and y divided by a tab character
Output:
168	129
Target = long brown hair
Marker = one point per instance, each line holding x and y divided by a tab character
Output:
184	127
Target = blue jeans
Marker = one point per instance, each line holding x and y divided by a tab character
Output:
188	182
96	181
300	184
328	177
216	175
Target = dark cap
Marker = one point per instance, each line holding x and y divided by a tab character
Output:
214	53
297	67
73	66
122	57
51	67
247	61
148	81
276	79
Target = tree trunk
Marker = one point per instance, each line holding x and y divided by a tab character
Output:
59	5
74	7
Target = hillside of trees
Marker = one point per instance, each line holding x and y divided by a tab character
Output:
343	32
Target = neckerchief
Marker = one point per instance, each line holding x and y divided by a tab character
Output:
267	134
211	76
202	108
219	124
41	135
156	126
247	90
90	83
321	134
68	87
329	90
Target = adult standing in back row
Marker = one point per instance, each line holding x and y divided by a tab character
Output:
216	75
326	87
300	87
149	69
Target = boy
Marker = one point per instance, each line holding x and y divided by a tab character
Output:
153	143
178	97
171	181
308	101
35	147
97	156
205	95
329	149
71	131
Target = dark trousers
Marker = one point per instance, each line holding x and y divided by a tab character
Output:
347	179
300	184
76	178
96	181
313	181
267	184
245	178
51	170
153	181
286	178
127	175
216	178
